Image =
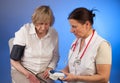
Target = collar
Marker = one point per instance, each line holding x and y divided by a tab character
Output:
88	38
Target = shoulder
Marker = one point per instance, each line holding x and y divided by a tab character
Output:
104	52
26	27
104	47
100	40
24	30
104	44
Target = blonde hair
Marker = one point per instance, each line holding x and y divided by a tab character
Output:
43	14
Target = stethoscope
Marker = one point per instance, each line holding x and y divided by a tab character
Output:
73	48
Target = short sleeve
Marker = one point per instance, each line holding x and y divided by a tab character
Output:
20	37
104	54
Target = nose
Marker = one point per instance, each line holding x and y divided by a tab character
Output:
42	27
72	30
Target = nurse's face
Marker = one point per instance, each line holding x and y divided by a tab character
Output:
78	29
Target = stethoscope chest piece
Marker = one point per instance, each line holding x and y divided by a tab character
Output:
77	61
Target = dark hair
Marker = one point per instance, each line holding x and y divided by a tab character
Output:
82	15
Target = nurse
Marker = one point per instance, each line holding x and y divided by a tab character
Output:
89	58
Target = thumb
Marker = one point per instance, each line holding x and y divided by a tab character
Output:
66	73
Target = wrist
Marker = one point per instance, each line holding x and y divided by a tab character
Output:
75	77
27	75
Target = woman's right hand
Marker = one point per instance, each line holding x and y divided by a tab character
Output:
32	78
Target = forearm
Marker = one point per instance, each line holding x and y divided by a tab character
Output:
92	79
54	60
101	76
19	67
29	75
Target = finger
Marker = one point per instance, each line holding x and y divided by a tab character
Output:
64	79
45	75
66	73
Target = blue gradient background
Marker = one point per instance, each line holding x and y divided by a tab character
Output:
15	13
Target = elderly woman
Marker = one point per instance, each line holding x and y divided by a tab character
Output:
35	49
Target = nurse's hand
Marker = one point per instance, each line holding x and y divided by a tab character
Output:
69	77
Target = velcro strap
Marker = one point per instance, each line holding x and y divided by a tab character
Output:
17	52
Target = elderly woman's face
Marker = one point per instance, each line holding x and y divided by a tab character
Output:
78	29
42	28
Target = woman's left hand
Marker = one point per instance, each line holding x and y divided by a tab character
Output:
46	74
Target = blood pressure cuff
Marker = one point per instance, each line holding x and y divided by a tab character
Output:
17	52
